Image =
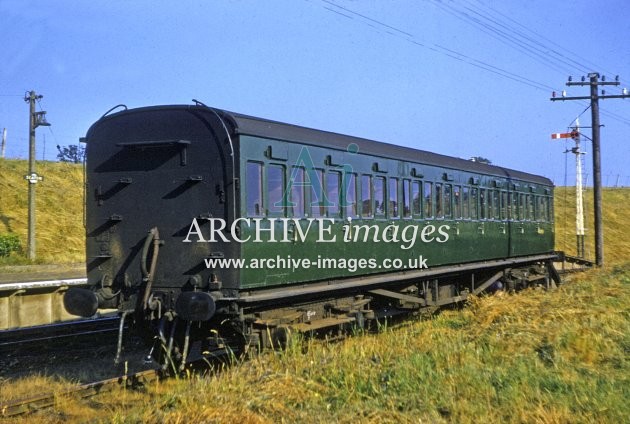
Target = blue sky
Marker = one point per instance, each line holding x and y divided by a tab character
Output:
463	78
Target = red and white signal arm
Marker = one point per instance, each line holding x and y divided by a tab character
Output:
572	134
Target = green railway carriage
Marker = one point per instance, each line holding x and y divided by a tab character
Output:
174	193
485	212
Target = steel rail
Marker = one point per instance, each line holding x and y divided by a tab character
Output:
81	327
34	403
133	380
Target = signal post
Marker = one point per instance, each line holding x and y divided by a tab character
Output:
594	83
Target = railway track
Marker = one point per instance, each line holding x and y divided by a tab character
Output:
131	380
47	400
59	331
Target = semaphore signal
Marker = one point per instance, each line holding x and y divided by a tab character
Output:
579	203
572	134
594	83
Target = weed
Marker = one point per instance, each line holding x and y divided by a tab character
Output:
9	243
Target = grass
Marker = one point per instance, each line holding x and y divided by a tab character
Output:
552	357
615	202
536	356
59	217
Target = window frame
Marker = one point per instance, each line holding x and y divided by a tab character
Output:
370	192
261	190
283	185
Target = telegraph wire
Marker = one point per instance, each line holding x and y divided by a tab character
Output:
338	13
619	118
502	37
497	70
614	116
369	19
410	38
584	60
545	48
519	45
578	117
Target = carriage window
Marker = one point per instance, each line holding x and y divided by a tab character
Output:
490	204
406	200
350	198
529	198
457	202
333	182
297	192
545	206
504	205
540	210
550	216
447	201
393	197
379	195
439	208
416	195
465	204
474	210
496	213
366	196
254	188
428	197
521	207
317	195
275	189
482	203
513	206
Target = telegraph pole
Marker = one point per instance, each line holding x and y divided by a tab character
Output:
594	97
36	119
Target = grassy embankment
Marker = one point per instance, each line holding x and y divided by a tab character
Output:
616	202
60	232
59	218
560	356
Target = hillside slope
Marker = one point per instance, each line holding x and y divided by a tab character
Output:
60	232
616	217
59	204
